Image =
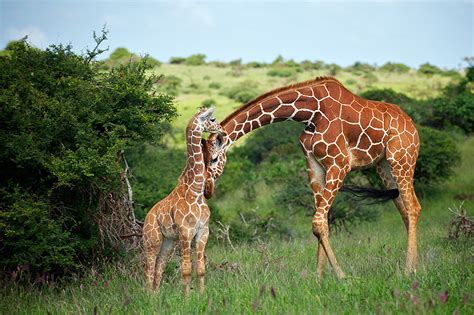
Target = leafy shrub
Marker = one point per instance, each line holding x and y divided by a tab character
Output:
255	64
156	169
278	60
236	62
196	60
437	158
333	69
281	71
169	84
209	102
394	67
242	92
63	124
215	85
177	60
453	112
361	67
428	69
121	56
470	74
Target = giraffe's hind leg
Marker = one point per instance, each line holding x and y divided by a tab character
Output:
402	167
385	174
316	175
152	239
163	256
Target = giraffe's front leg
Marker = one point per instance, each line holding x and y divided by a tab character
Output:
201	240
163	256
334	178
185	238
152	239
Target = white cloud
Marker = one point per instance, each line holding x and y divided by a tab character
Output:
35	36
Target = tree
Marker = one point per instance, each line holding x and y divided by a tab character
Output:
196	60
63	125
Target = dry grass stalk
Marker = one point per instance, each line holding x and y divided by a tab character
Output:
461	225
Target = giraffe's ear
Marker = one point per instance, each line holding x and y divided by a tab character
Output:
205	115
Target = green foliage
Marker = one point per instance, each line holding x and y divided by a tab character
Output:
470	74
278	60
177	60
215	85
255	64
209	102
120	53
438	156
156	170
169	84
333	69
236	62
63	123
196	60
394	67
429	69
121	56
242	92
281	71
454	109
361	67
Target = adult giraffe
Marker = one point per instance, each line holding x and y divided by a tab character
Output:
343	132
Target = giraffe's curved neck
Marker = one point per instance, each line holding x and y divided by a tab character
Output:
193	174
300	104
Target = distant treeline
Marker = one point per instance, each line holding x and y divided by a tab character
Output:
282	67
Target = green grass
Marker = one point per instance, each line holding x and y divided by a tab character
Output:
242	280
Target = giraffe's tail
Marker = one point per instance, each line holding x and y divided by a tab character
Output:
367	193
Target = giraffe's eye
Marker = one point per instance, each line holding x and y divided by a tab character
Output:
213	119
214	160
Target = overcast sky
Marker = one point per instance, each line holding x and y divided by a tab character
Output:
412	32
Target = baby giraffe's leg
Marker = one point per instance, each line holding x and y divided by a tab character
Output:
165	252
152	244
185	238
201	240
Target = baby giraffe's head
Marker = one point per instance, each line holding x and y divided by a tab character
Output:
206	122
214	150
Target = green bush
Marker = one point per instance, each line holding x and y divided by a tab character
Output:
438	156
208	103
255	64
281	71
236	62
196	60
394	67
156	169
428	69
169	84
361	67
215	85
121	56
63	124
177	60
242	92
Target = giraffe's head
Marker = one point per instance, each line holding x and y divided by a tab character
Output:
214	150
205	122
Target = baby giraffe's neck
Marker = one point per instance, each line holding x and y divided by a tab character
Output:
193	175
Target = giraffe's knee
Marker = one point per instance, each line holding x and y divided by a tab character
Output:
319	229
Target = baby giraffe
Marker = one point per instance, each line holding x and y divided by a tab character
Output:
183	214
